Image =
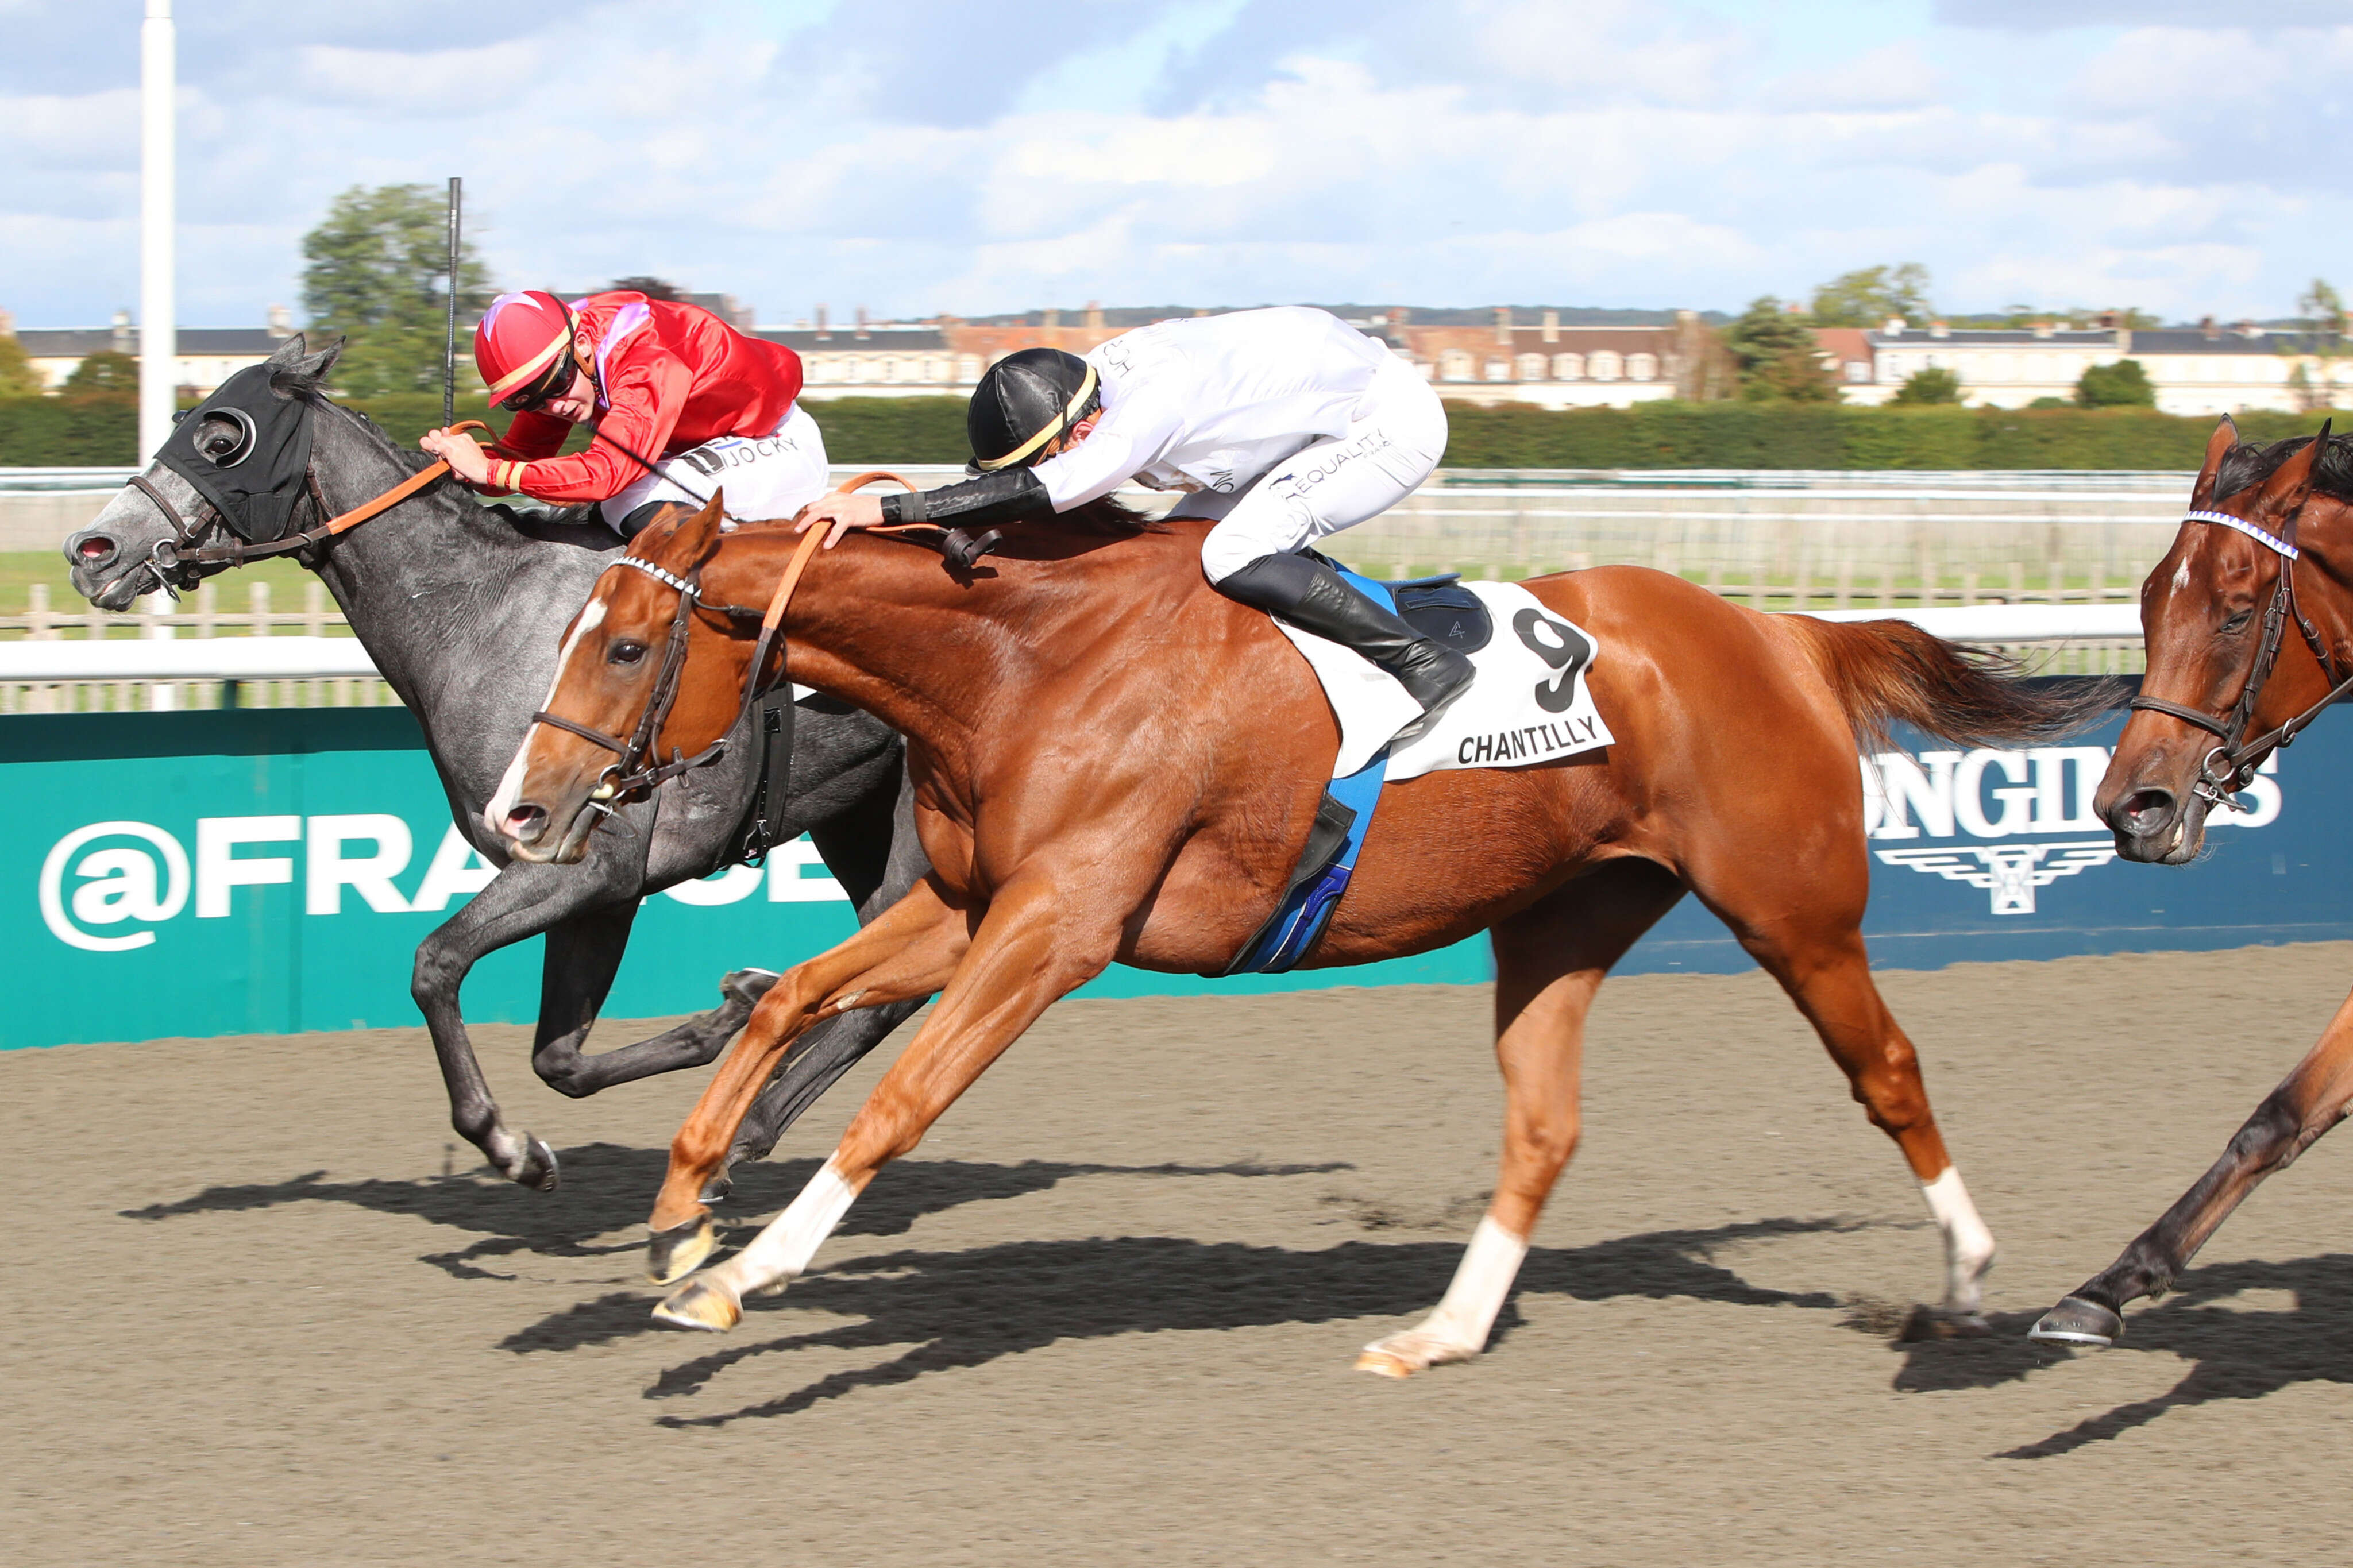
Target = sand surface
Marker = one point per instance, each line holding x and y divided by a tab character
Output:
268	1315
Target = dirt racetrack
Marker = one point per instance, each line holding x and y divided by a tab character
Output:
1105	1315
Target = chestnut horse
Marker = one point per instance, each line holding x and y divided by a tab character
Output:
2249	622
1113	762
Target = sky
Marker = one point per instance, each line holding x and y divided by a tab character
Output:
922	156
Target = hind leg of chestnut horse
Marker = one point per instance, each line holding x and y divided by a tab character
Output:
1795	899
1550	959
1033	947
906	954
2308	1103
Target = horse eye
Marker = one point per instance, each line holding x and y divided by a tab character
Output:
2238	623
625	652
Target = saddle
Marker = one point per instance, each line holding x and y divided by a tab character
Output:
1441	609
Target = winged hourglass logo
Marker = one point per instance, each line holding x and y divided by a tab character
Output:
2010	872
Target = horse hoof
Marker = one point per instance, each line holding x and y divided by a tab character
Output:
538	1171
1402	1355
2076	1321
700	1304
671	1255
748	986
715	1190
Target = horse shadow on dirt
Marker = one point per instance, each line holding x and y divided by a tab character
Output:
608	1188
949	1311
2234	1351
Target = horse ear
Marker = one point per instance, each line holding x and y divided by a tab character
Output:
2291	481
294	369
2218	446
685	539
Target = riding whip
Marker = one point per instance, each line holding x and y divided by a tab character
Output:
449	342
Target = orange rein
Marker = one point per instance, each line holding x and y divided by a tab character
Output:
343	523
783	596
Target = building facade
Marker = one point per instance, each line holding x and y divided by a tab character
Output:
206	357
2201	369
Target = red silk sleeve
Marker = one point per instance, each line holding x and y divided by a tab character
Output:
641	410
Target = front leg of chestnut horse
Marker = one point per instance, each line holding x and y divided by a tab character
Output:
905	955
2308	1103
1028	952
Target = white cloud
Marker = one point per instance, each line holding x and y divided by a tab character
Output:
913	155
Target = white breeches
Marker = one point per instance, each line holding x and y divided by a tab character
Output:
764	476
1393	440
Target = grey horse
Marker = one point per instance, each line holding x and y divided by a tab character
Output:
463	612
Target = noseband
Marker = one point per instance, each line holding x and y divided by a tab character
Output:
2231	766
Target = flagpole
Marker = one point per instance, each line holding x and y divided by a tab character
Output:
158	317
449	343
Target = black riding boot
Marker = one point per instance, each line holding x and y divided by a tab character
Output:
1306	592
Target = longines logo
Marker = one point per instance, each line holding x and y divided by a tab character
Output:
2040	793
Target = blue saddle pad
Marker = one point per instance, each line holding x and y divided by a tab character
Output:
1329	857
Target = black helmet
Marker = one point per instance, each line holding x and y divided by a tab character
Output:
1024	401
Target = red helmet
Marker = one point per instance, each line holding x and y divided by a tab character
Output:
521	346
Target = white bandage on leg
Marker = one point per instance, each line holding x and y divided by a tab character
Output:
782	1249
1968	1245
1467	1314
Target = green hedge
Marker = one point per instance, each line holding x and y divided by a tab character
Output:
66	432
1786	435
47	432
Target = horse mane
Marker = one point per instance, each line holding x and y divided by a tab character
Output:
2251	463
1105	518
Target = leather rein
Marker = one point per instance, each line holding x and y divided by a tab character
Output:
176	561
2229	767
630	777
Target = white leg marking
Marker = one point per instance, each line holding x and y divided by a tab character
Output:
781	1252
1968	1245
1458	1329
494	815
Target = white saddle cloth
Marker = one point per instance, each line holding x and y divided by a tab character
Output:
1512	717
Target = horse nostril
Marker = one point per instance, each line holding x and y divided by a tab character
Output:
526	822
95	549
2145	811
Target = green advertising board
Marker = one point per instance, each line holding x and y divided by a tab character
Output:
272	870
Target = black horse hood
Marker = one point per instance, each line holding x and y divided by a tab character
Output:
253	471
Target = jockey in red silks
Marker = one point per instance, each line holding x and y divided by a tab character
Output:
676	397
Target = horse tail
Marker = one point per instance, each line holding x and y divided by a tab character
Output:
1888	670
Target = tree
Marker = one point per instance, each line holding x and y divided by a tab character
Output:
2124	384
2317	348
651	288
105	373
377	274
1779	361
18	376
1868	295
1932	386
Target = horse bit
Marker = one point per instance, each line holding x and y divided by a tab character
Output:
2238	757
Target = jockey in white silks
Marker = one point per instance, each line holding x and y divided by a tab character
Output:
1284	425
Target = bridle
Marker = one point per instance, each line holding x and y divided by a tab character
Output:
2231	766
630	776
179	562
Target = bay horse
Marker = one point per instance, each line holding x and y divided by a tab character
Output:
462	612
1113	762
2248	626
